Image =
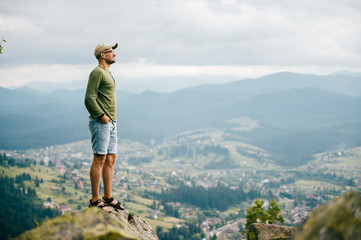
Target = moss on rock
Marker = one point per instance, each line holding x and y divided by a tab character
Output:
339	219
262	231
93	223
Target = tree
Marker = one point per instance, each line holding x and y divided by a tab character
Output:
37	181
274	213
256	214
11	162
159	229
22	207
1	47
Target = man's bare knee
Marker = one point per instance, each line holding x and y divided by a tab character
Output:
110	160
99	159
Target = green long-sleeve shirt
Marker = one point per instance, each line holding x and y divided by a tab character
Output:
100	95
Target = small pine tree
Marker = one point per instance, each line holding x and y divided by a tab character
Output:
256	214
274	213
37	181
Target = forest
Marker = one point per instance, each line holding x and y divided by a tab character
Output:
189	231
22	209
219	197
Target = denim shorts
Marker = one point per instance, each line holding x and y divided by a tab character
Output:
103	137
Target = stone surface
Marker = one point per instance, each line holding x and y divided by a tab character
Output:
93	223
339	219
262	231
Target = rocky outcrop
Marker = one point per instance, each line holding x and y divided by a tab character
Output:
339	219
262	231
93	223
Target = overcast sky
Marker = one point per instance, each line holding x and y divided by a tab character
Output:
55	40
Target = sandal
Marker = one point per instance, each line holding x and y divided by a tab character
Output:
100	204
109	201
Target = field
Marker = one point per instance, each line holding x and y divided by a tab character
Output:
307	185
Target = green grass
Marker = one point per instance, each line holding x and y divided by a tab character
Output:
347	163
243	124
232	210
144	201
287	205
166	223
40	171
137	208
308	185
44	191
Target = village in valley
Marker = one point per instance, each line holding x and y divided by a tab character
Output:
144	174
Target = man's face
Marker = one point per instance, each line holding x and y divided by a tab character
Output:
109	56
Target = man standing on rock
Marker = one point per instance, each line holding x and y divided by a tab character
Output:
100	101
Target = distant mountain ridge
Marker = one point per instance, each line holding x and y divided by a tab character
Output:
161	84
135	84
299	114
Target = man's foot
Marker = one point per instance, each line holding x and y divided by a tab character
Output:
113	203
100	204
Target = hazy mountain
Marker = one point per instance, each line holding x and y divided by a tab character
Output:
137	84
299	114
49	87
300	122
347	73
10	97
307	108
282	81
342	82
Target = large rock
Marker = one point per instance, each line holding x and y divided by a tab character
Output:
262	231
93	223
339	219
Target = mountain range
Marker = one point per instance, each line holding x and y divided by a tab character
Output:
298	114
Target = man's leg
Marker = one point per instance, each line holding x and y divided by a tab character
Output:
95	175
108	169
107	180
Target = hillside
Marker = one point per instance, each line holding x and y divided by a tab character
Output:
298	123
298	115
197	178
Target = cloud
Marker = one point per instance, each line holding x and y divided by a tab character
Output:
194	35
19	75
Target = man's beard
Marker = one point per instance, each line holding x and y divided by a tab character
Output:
109	61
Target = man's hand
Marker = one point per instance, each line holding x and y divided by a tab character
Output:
105	119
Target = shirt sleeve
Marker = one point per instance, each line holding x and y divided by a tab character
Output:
92	93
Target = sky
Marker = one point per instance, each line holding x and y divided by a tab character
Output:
183	42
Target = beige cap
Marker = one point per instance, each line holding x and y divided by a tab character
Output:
102	47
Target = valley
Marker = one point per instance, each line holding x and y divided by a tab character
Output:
203	163
192	161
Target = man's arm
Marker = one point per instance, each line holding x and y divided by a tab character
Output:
91	95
